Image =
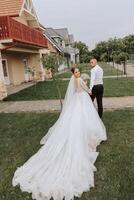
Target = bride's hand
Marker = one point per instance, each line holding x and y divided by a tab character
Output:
90	93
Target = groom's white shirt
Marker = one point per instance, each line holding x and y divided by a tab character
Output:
96	76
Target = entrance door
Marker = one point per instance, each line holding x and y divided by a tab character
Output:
26	70
5	72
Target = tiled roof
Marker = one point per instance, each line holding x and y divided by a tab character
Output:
64	33
47	34
10	7
52	32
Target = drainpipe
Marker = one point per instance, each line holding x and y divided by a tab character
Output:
1	69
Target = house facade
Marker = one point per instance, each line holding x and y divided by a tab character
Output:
65	43
22	44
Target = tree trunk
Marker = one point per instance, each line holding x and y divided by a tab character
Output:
60	96
113	63
124	66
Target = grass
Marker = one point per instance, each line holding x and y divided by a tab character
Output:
85	68
47	90
20	135
119	87
40	91
108	69
66	74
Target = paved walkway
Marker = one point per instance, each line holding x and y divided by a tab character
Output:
14	89
110	103
129	69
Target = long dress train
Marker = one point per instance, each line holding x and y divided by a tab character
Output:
64	166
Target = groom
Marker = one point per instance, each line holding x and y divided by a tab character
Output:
96	85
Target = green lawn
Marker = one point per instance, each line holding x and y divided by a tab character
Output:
40	91
85	68
20	135
47	90
119	87
108	70
66	74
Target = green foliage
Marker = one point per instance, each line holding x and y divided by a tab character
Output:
109	50
129	43
53	61
114	49
121	57
104	57
84	51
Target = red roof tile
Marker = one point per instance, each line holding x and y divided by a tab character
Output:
10	7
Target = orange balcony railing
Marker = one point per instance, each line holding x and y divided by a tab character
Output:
12	29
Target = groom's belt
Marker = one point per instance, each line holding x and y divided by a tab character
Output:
98	85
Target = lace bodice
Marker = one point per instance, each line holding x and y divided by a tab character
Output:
80	85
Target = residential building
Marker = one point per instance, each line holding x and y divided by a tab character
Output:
22	44
65	43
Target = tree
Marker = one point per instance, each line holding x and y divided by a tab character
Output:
99	50
104	57
84	51
114	57
122	58
129	44
53	61
105	49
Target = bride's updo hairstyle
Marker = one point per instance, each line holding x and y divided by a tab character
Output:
73	69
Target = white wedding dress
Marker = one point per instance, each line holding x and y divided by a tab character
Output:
64	166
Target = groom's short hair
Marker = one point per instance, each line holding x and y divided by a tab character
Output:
93	58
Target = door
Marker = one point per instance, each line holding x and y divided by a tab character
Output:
5	72
26	70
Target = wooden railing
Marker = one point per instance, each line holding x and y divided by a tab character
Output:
12	29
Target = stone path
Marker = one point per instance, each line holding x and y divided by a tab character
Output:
110	103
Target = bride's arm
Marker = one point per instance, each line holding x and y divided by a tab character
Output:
83	85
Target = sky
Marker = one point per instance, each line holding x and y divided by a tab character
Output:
91	21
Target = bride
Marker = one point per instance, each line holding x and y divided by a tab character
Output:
64	168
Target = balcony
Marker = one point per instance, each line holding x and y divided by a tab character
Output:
18	32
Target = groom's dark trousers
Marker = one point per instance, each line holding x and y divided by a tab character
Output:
97	92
